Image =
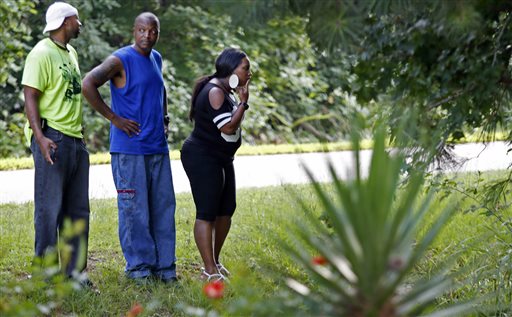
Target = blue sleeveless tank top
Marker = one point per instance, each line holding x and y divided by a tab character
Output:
141	100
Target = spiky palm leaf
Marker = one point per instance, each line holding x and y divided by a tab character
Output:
370	246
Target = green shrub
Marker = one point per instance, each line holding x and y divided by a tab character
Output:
45	290
360	262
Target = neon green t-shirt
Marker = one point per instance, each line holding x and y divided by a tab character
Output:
54	71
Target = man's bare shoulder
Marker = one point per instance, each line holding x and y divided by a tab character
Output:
111	67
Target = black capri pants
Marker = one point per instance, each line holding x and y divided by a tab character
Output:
212	180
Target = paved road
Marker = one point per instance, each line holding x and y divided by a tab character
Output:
259	171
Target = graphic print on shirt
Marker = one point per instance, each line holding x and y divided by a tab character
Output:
70	75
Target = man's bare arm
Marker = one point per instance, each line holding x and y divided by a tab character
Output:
110	69
102	73
46	145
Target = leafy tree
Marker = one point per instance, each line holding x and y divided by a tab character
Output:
14	31
14	34
450	59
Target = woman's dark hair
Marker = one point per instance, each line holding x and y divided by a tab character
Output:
225	64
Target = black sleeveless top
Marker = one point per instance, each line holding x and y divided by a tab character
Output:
208	122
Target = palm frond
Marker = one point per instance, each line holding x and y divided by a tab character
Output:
369	242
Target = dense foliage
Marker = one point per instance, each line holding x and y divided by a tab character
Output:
448	59
314	62
15	36
292	98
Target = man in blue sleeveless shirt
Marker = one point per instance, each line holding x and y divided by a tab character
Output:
140	155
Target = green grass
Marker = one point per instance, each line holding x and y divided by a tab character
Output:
471	228
257	263
249	252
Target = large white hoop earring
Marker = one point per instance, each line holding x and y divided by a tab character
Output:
233	81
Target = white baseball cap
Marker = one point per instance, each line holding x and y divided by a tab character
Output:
56	14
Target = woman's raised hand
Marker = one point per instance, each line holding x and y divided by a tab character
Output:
243	92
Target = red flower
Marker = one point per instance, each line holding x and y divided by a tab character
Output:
135	310
319	260
214	289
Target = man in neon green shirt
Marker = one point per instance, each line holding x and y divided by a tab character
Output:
52	88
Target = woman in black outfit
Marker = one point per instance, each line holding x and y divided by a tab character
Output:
207	154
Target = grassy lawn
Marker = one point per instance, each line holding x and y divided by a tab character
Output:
250	253
257	263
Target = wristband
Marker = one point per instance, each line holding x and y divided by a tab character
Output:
245	105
